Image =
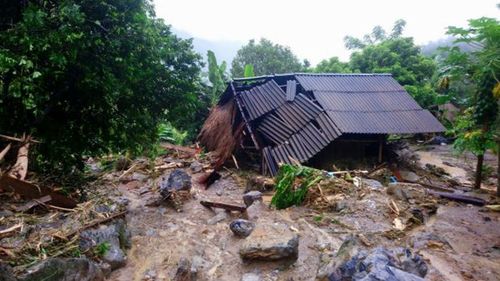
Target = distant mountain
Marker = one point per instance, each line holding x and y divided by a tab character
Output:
430	48
224	50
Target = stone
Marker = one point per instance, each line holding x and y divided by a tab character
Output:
183	272
250	277
252	196
5	213
241	227
270	242
139	177
6	273
69	269
115	235
372	184
254	211
177	180
380	264
196	167
259	183
409	176
217	218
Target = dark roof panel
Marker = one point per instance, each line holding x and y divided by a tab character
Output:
291	89
348	82
262	99
366	101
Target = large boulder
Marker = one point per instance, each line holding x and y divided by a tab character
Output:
178	180
115	237
59	269
270	242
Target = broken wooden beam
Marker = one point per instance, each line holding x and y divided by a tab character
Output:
460	198
188	150
10	231
225	206
4	151
31	191
33	203
20	169
18	139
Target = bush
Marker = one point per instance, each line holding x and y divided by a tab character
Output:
93	77
292	183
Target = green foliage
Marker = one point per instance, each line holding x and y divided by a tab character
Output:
248	71
217	76
379	53
90	77
332	65
292	183
168	133
101	249
266	58
468	136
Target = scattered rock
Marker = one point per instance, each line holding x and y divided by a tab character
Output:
150	275
71	269
184	271
409	176
378	264
217	218
422	240
241	227
122	163
250	277
115	235
6	273
414	264
139	177
177	180
341	205
196	167
438	171
5	213
251	197
270	242
253	211
373	184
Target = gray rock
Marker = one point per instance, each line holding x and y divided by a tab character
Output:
139	177
217	218
177	180
115	235
270	242
6	273
250	277
373	184
58	269
378	264
251	197
409	176
241	227
5	213
254	211
184	271
196	167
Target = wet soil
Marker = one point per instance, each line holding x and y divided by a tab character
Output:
459	242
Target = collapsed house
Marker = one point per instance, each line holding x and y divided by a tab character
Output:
307	118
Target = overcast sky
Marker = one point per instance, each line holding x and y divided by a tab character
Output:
315	29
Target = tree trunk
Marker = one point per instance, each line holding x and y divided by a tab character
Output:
479	171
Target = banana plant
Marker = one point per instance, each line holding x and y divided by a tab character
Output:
217	76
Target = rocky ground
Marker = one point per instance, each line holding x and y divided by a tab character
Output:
366	230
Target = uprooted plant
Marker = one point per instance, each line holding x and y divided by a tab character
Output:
292	183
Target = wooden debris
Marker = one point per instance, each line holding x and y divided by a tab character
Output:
188	150
18	139
33	203
95	223
4	151
32	191
20	169
460	198
169	166
394	207
225	206
364	240
10	231
495	208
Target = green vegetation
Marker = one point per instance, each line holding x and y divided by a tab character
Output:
292	183
93	77
217	77
101	249
266	58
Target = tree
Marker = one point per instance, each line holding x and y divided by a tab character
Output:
266	58
379	53
217	76
332	65
481	67
87	77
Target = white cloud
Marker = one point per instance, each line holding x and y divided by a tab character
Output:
315	29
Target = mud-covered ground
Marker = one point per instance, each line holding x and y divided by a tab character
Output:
458	241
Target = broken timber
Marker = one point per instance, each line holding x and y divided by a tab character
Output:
460	198
225	206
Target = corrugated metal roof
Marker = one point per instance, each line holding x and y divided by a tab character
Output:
348	82
291	89
388	122
367	101
262	99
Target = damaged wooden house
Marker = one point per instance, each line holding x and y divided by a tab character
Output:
312	118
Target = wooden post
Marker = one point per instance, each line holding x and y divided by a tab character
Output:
244	117
380	148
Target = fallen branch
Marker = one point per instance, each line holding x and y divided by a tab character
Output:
460	198
17	139
188	150
225	206
9	231
33	203
4	151
95	223
20	169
